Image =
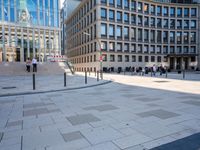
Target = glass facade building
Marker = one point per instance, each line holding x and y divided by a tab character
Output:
133	33
29	28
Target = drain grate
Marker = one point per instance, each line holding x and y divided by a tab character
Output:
161	81
10	87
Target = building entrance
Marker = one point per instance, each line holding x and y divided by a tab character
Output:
18	54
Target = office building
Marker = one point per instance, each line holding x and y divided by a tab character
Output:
29	28
133	33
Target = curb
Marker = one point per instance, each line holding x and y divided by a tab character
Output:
52	91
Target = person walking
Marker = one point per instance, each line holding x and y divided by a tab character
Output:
28	64
154	70
34	63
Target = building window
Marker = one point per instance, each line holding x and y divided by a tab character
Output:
126	17
119	16
133	48
133	5
193	24
139	34
193	59
111	46
172	50
172	23
146	49
193	12
103	1
104	57
172	37
158	49
152	58
126	58
179	12
119	3
140	20
126	32
103	45
186	50
159	22
119	32
179	24
111	2
133	58
165	36
179	49
139	48
165	49
111	30
186	37
146	35
133	18
172	11
179	37
133	34
159	10
186	24
193	49
126	47
103	29
139	7
111	15
126	4
159	59
165	11
165	23
152	35
146	21
139	58
119	46
146	58
193	37
152	49
153	9
153	22
103	13
186	12
112	58
119	58
146	8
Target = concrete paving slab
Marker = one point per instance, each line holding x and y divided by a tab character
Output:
195	103
103	146
162	114
34	112
72	136
82	118
14	123
101	108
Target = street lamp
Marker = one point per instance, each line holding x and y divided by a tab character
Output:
100	52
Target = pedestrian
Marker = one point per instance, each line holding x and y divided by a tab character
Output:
154	70
161	69
34	63
28	64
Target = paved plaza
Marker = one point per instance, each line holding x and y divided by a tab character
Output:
129	113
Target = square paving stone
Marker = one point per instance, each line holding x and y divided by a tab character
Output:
81	119
72	136
162	114
195	103
33	105
14	123
102	108
34	112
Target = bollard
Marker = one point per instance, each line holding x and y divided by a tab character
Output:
33	81
166	74
97	75
101	74
183	74
85	77
151	73
65	79
89	72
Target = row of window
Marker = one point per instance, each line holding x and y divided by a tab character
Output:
152	9
118	58
127	18
146	35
